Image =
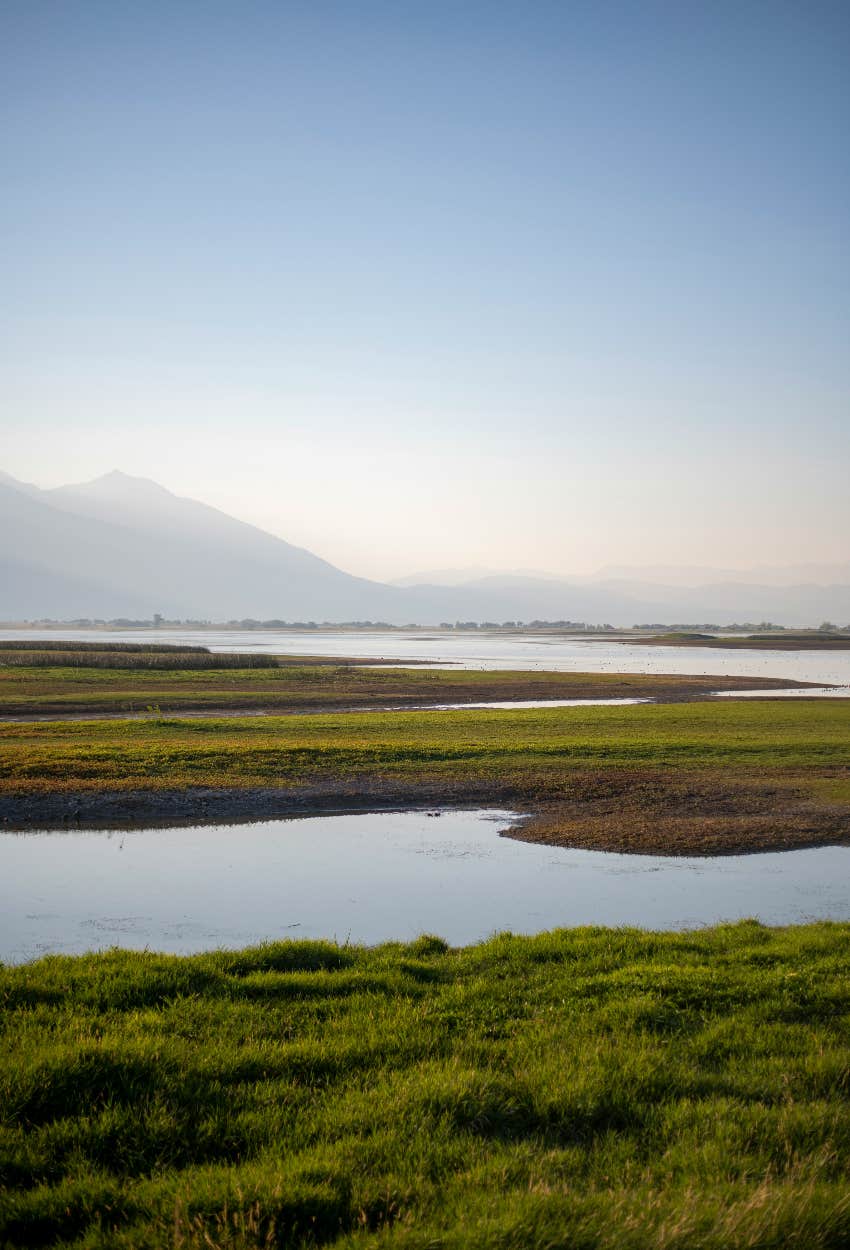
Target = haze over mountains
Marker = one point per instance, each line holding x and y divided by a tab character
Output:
657	574
123	546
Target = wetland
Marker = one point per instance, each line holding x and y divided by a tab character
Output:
293	1084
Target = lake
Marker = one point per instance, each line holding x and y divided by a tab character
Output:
477	649
374	877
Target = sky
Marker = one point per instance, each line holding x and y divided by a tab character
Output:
429	283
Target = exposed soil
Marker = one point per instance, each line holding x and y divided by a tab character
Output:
691	819
629	811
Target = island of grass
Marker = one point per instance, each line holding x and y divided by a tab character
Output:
602	1089
38	679
787	640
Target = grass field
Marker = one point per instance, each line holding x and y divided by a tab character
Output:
295	687
584	1088
166	750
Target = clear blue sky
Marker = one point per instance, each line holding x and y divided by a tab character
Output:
430	283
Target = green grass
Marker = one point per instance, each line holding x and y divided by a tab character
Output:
585	1089
525	746
295	686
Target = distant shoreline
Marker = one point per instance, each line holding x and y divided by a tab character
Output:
741	637
787	641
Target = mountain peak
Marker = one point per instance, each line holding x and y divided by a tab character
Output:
116	480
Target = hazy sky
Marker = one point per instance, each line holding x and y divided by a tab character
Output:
427	282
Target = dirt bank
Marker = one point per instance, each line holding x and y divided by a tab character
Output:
626	811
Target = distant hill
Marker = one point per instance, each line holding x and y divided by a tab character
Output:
126	546
779	575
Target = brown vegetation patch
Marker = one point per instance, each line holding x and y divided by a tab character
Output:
668	815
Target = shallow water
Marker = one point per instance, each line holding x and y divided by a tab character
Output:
508	705
812	692
227	713
371	877
528	652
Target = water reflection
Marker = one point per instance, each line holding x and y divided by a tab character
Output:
477	649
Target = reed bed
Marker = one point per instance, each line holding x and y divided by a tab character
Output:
156	658
53	644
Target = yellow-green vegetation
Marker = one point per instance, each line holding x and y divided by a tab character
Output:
527	745
294	687
608	1090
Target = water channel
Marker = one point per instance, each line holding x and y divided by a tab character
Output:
374	877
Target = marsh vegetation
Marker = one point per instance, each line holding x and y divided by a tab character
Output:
57	684
100	655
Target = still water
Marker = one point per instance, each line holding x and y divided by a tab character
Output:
373	877
478	649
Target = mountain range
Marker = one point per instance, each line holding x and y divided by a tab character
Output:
123	546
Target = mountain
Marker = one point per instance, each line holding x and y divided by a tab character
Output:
634	602
670	577
468	576
125	546
696	575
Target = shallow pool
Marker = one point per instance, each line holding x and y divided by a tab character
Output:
372	877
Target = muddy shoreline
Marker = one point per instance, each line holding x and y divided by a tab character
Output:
655	815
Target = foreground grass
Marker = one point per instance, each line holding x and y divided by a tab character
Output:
584	1088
